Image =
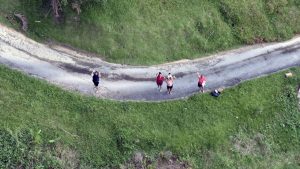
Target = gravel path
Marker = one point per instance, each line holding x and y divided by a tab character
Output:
71	69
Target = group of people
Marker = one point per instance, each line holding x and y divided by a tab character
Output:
160	79
170	80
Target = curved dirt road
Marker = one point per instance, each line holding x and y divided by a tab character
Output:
71	70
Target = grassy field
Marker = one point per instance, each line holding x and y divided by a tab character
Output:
157	31
253	125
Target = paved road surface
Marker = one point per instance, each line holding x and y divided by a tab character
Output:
71	70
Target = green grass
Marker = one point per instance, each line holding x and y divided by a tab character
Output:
253	125
157	31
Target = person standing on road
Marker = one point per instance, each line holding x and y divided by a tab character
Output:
170	80
96	79
201	81
159	80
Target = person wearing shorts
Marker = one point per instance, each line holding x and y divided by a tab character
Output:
96	79
201	82
170	81
159	80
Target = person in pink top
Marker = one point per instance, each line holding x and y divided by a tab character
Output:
159	80
201	82
170	81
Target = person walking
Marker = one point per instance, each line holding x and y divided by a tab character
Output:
170	80
96	79
201	81
159	80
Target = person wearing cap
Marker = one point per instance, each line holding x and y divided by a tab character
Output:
96	79
170	81
201	81
159	80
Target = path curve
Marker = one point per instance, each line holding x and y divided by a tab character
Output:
71	70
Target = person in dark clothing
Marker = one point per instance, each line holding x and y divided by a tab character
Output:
96	79
215	93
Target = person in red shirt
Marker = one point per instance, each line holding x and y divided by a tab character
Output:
201	82
159	80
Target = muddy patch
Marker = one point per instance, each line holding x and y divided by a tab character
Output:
75	69
165	160
114	76
291	49
250	146
110	76
234	81
68	158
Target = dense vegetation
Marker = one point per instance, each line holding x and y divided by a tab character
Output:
253	125
157	31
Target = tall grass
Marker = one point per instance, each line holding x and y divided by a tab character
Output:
255	124
156	31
